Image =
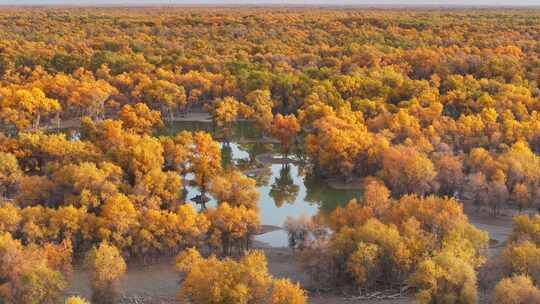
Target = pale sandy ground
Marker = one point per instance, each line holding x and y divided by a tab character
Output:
158	284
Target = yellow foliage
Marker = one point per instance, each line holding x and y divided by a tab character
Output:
516	290
106	266
245	281
140	119
285	292
236	189
75	300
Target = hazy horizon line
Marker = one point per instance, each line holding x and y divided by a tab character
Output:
274	3
262	5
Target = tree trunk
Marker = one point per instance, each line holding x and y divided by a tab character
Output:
36	122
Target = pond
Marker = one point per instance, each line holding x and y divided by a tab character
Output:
289	190
285	189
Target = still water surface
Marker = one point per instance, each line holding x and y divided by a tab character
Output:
285	190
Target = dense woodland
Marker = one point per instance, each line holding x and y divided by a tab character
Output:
436	112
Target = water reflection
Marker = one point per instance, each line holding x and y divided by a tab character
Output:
226	156
241	130
285	190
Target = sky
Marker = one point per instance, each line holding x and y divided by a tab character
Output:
276	2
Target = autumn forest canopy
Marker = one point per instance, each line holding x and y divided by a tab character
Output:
433	114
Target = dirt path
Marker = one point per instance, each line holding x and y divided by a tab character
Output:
158	283
499	228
